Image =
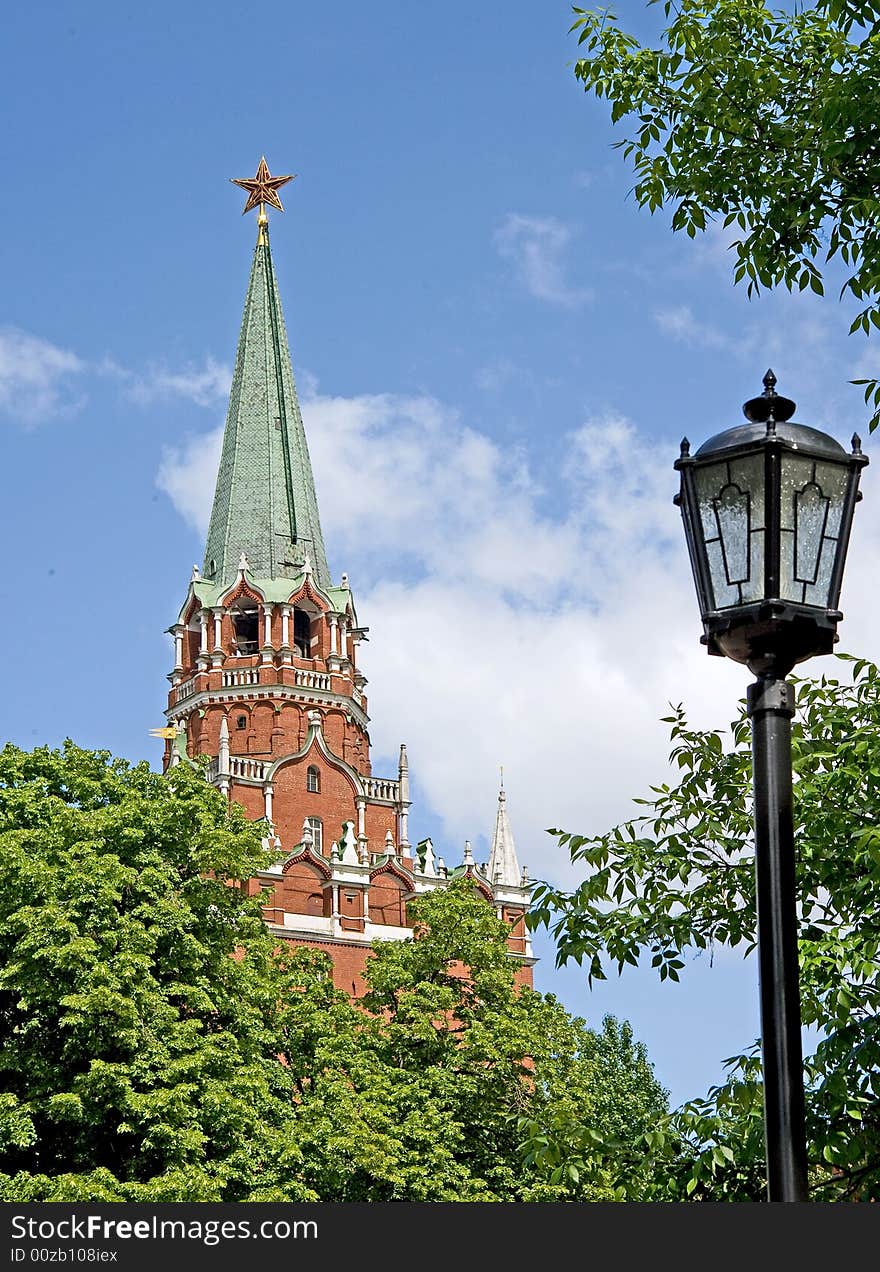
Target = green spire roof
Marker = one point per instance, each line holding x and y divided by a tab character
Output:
265	503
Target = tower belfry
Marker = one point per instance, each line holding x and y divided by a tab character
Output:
266	680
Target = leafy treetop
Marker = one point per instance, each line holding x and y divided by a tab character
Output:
764	120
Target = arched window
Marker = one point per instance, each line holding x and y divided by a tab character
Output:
246	626
316	826
302	633
313	779
241	722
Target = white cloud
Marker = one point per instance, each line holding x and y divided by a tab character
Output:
188	474
794	333
551	643
205	386
536	247
679	323
35	377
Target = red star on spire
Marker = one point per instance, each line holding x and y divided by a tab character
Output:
262	188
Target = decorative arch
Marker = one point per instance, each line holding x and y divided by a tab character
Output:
315	738
308	592
393	868
242	589
390	889
302	884
306	856
191	606
233	715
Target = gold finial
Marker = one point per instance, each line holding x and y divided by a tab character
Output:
262	189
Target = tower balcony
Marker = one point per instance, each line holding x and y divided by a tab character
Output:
243	676
183	691
382	790
246	678
242	768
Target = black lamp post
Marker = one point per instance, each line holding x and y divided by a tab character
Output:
767	509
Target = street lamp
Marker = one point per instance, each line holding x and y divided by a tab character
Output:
767	509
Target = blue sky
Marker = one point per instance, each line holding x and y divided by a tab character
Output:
497	355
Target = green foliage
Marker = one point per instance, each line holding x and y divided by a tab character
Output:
156	1044
763	120
627	1106
141	1002
679	880
445	1092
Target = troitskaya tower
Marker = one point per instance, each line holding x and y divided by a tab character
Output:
266	680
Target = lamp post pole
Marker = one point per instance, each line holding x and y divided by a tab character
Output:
767	508
770	708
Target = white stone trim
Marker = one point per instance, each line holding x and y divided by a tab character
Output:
291	693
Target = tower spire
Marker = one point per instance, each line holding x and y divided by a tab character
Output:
503	864
265	502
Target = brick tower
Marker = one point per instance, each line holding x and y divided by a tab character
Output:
266	680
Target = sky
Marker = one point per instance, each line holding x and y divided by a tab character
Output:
497	354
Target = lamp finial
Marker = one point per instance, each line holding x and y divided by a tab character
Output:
769	408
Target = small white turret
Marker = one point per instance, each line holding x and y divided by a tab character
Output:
223	758
349	845
428	864
503	865
403	799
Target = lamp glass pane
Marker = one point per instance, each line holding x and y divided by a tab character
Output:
834	479
730	504
812	494
817	593
724	594
753	589
748	473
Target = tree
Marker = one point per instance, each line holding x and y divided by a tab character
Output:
763	120
460	1086
679	879
142	1002
156	1043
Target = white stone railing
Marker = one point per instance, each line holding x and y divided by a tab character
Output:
244	766
183	691
247	676
241	766
382	788
311	679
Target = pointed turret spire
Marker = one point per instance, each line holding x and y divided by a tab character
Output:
503	865
265	504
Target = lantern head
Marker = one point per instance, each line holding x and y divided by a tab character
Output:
767	509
